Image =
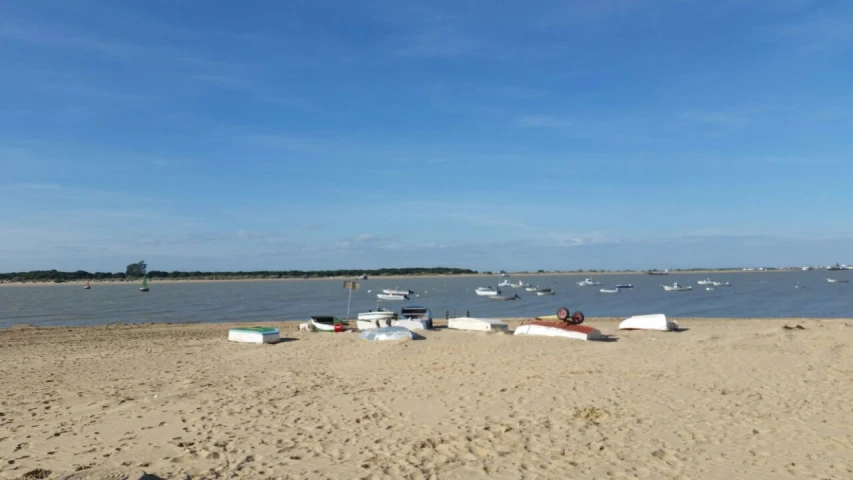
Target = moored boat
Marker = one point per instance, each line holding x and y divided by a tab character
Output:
87	287
397	291
520	284
625	285
707	281
676	287
487	291
144	287
609	290
504	297
588	282
392	296
505	283
836	280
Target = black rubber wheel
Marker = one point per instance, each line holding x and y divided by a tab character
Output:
577	318
563	314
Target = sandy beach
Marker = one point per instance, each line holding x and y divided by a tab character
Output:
731	399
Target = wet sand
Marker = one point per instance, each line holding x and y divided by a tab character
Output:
734	399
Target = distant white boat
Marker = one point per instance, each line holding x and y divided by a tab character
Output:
503	298
520	284
391	296
397	291
625	285
587	282
707	281
487	291
505	283
676	287
545	291
609	290
836	280
709	288
87	287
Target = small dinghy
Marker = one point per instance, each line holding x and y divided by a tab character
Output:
253	335
387	333
487	291
836	280
625	285
656	321
609	290
566	326
375	319
676	287
477	324
392	296
322	323
397	291
504	298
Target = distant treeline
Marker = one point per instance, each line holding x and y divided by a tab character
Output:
81	275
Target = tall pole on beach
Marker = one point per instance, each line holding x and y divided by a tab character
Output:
349	285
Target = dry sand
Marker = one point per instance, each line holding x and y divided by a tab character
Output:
729	399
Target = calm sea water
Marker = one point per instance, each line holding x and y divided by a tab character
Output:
771	294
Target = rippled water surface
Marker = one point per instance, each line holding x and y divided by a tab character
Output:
768	294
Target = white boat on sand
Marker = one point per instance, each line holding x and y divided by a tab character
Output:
648	322
414	317
676	287
375	319
477	324
487	291
322	323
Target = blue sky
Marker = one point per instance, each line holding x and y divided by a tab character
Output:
488	135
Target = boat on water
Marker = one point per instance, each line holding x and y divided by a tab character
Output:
392	296
609	290
503	298
87	287
721	284
836	280
487	291
397	291
144	287
707	281
677	287
505	283
657	272
543	292
323	323
588	282
625	285
363	276
520	284
709	288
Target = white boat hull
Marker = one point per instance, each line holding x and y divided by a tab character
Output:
378	315
548	331
391	297
670	288
477	324
648	322
609	290
487	292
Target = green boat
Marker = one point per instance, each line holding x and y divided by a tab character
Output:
328	324
144	287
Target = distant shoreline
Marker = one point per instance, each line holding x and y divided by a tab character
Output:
9	283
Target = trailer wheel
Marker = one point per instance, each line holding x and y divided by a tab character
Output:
577	318
563	314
